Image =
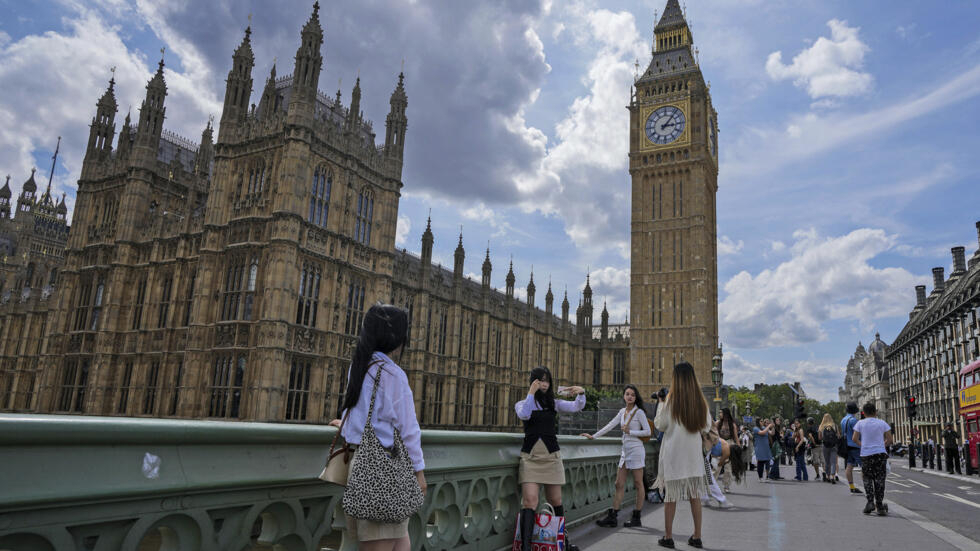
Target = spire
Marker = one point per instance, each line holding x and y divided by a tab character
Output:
62	208
459	255
673	17
103	128
427	240
510	279
268	103
549	299
564	307
205	153
672	31
309	62
588	289
238	88
152	113
30	186
5	190
396	122
355	106
487	267
54	161
531	289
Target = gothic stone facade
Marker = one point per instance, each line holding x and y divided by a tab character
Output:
941	338
673	163
866	378
229	280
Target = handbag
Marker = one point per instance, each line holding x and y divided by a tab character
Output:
382	486
548	533
338	462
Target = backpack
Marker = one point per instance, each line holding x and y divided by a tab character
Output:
829	437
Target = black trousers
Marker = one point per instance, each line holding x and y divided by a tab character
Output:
953	458
873	472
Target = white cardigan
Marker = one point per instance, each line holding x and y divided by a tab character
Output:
639	426
681	454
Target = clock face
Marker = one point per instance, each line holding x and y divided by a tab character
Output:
665	125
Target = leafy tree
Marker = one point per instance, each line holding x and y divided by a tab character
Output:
593	395
739	397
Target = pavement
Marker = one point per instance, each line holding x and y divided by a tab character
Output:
925	512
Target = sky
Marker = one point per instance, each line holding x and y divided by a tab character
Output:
847	140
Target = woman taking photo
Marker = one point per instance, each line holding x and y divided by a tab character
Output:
379	347
829	434
682	418
632	420
763	453
541	462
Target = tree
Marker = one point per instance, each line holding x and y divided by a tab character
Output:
739	397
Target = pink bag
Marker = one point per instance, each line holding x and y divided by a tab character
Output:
548	535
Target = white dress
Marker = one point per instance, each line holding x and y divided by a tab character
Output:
634	454
681	457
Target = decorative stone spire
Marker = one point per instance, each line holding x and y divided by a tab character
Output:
269	102
487	268
531	289
238	88
152	113
458	258
205	153
510	279
549	299
427	241
353	115
564	307
306	73
397	122
103	128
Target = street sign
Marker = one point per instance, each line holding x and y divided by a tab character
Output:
747	419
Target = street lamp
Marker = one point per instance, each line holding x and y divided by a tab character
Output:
716	377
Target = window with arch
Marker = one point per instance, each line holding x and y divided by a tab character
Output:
256	180
309	295
74	381
226	386
365	215
239	293
355	307
320	197
298	395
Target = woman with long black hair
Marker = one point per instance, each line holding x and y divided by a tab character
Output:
379	347
632	420
541	462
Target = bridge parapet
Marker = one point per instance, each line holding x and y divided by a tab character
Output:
83	483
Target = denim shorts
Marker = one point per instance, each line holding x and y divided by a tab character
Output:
716	449
853	456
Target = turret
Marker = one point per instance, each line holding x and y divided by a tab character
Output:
397	122
458	257
152	113
549	300
238	88
353	115
487	267
510	280
564	308
587	306
269	103
205	154
125	139
306	73
62	209
5	195
605	322
530	290
427	244
103	128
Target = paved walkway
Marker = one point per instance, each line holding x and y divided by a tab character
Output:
783	515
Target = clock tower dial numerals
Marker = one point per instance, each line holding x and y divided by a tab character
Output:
665	125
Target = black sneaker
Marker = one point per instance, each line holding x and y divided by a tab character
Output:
666	542
869	508
695	542
856	491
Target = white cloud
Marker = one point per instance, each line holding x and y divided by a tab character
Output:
830	67
402	230
726	246
778	246
820	379
4	39
611	285
825	279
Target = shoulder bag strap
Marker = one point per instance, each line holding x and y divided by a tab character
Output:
632	415
374	392
336	436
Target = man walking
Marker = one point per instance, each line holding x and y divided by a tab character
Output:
951	440
873	436
853	449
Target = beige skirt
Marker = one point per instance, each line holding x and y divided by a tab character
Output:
541	467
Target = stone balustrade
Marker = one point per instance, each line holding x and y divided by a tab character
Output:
83	483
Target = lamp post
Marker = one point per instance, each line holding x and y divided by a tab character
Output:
716	376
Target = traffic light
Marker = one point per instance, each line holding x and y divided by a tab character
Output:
800	411
911	405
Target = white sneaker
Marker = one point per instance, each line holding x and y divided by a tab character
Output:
715	503
726	504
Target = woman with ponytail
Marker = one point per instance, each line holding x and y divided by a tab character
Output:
541	462
379	347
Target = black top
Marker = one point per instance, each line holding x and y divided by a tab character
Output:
541	425
950	438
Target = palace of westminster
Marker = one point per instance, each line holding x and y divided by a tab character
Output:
228	279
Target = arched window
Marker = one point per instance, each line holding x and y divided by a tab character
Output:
309	295
365	215
320	197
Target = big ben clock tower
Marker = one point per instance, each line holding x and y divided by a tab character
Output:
673	164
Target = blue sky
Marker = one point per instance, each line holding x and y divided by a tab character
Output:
848	137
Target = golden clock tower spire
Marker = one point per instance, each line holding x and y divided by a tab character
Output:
673	163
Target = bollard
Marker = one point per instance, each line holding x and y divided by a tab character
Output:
939	457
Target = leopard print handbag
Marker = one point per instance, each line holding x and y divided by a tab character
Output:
381	486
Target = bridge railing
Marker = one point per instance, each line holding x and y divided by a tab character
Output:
82	483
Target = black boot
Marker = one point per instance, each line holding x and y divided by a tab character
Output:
527	528
869	508
611	520
560	511
634	521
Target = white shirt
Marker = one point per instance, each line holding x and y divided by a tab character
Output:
528	405
681	453
872	431
394	407
639	426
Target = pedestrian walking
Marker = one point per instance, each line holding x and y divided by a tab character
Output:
745	441
951	441
683	417
728	433
799	454
829	435
776	449
789	442
763	452
632	420
815	449
873	436
853	450
379	346
541	463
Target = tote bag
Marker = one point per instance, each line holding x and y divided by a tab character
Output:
548	534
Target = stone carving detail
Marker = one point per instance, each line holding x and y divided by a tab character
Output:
304	340
224	336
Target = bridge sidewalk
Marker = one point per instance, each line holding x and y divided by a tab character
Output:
776	516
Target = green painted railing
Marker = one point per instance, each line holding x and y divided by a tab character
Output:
80	483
